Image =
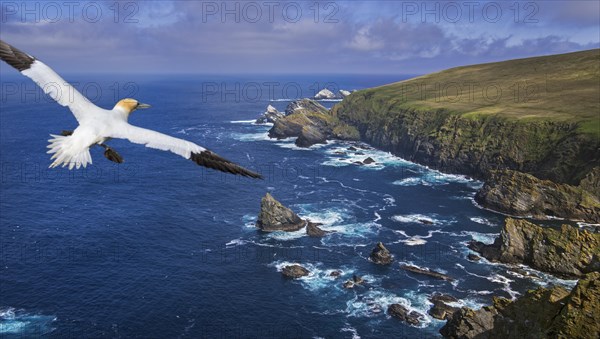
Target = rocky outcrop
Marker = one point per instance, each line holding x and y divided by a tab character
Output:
441	308
402	313
380	255
591	182
270	116
427	272
522	194
540	313
313	230
294	271
310	136
344	93
325	94
305	106
369	161
568	252
274	216
311	124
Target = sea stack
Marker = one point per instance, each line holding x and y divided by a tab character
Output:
274	216
380	255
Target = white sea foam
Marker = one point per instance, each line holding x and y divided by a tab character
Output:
415	240
483	221
290	144
498	279
416	218
236	242
243	121
257	136
374	303
318	277
349	157
23	324
412	181
286	236
430	177
486	238
352	330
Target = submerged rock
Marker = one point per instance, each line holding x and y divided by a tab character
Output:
271	115
522	194
355	281
335	274
418	270
380	255
400	312
274	216
294	271
568	252
540	313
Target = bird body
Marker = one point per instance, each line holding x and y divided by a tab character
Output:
98	125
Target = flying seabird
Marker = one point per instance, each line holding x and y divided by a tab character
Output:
98	125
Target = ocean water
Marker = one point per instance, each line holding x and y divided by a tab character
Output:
159	247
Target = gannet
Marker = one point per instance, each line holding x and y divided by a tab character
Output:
98	125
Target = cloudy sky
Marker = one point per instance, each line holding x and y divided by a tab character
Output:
392	37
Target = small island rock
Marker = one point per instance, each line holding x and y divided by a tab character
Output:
294	271
380	255
274	216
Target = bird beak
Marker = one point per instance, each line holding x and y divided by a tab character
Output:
142	106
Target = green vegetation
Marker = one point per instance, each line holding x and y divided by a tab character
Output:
563	88
537	115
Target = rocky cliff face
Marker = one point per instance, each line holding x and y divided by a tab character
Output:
310	123
269	116
568	252
470	144
274	216
541	313
522	194
591	182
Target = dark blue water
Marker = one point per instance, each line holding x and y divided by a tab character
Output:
159	247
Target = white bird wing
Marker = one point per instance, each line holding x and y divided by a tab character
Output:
50	82
184	148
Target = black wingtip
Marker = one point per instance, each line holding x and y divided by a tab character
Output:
212	160
15	57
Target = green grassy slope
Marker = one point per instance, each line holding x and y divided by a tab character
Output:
537	115
564	87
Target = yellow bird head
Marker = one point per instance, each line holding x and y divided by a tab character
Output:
129	105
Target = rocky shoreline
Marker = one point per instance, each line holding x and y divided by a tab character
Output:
541	313
311	123
517	192
558	180
568	252
522	194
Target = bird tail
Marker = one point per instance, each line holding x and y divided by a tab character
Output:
67	152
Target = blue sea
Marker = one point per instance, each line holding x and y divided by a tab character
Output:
158	247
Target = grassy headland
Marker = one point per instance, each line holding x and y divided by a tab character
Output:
538	115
